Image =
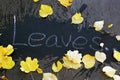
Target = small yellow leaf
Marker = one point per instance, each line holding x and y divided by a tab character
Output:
116	55
65	3
9	49
72	59
109	71
118	37
45	10
49	76
77	18
98	25
58	67
100	56
8	63
39	70
116	77
29	65
89	61
35	1
110	26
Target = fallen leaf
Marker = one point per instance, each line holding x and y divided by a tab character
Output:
6	61
110	26
49	76
58	67
35	1
45	10
66	3
116	55
116	77
77	18
117	37
9	49
89	61
39	70
109	71
72	59
98	25
29	65
100	56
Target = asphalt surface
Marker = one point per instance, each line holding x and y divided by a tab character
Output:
107	10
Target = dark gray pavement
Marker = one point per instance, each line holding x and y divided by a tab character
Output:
108	10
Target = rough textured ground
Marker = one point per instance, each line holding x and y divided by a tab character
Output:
108	10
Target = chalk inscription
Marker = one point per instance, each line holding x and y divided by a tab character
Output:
38	39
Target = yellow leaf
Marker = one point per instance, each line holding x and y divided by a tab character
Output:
116	55
39	70
29	65
8	63
98	25
100	56
110	26
2	51
65	3
45	10
116	77
58	67
77	18
5	51
89	61
118	37
9	50
109	71
49	76
35	1
72	59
